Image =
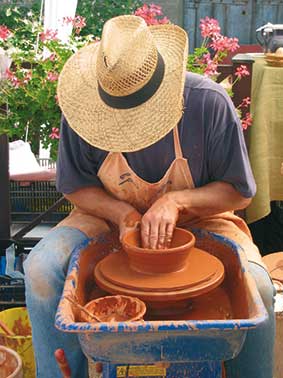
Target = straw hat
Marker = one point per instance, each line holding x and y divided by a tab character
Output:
126	92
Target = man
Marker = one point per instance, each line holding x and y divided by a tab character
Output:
143	141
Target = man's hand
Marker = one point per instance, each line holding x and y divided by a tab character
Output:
129	222
159	222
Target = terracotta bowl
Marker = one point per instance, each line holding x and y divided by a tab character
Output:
116	308
10	363
152	261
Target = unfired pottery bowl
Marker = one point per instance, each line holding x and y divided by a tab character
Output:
154	261
116	308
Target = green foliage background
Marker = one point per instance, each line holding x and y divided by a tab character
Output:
96	12
34	104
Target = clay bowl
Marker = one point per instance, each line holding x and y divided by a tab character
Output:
10	363
116	308
153	261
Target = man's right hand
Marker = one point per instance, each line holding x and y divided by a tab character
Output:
129	222
97	202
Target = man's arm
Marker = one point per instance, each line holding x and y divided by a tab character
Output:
96	201
213	198
158	223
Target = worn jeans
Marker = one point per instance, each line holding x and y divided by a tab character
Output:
45	272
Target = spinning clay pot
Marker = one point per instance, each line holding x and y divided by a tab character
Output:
153	261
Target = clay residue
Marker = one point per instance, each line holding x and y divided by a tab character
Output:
8	364
117	308
132	219
21	329
35	269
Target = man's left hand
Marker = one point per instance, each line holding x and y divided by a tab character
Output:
159	222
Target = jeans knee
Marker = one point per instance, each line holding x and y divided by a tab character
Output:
36	278
46	266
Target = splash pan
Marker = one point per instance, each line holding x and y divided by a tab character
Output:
214	328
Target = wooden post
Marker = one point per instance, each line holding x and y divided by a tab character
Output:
173	9
5	210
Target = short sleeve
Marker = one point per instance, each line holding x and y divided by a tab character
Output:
76	166
228	159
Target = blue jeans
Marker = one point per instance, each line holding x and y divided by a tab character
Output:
45	271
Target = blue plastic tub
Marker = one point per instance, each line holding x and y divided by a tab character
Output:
192	341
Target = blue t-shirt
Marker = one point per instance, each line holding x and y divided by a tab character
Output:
211	139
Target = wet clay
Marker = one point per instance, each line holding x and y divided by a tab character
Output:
200	271
21	329
163	278
158	260
228	300
117	308
10	364
215	305
132	219
95	252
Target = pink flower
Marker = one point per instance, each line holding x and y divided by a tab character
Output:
211	69
247	121
78	23
13	78
205	59
56	99
67	20
4	32
52	76
242	71
245	102
209	27
164	20
233	44
54	133
52	57
222	43
27	77
49	35
152	14
156	9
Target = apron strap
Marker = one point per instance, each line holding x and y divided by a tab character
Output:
177	145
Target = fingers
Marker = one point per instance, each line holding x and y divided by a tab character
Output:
145	233
162	235
149	232
153	235
169	235
129	223
156	234
125	230
158	223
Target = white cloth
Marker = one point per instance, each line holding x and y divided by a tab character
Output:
5	62
21	159
23	165
54	11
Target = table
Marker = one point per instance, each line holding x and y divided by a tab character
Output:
266	137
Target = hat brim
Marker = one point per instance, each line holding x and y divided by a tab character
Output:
124	130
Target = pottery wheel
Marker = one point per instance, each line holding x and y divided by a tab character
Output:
202	273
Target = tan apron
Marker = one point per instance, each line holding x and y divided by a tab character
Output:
123	183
